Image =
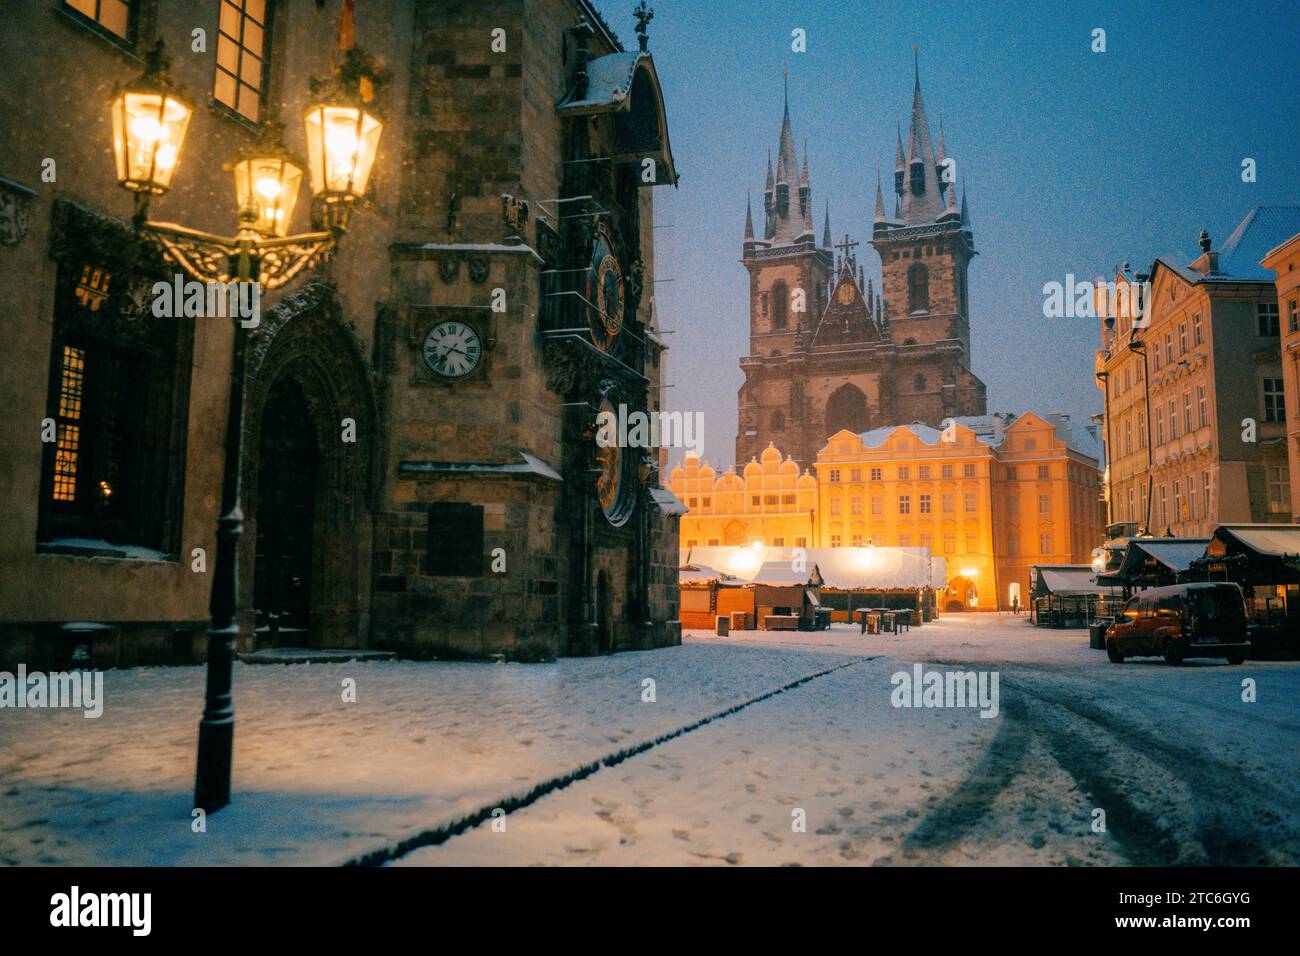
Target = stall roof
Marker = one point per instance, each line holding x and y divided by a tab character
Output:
701	572
782	574
841	568
1272	540
1067	579
1176	554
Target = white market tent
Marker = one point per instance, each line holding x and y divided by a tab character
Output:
846	569
1067	580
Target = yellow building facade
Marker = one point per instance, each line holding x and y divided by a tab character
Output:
989	494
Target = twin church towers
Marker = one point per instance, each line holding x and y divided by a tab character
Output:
829	351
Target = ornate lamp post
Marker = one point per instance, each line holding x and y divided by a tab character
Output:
150	119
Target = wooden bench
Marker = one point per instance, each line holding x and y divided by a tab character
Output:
781	622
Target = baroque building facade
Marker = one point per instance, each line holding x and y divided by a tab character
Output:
827	350
990	494
1192	380
396	496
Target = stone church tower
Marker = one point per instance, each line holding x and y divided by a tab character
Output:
828	352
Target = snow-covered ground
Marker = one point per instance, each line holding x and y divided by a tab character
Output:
1184	770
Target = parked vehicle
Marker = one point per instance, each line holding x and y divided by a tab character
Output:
1182	621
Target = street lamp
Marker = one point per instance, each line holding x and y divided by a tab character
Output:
150	120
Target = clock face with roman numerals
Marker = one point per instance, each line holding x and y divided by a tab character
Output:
452	349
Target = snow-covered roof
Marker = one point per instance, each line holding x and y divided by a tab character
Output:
1177	554
1069	579
667	502
609	80
839	568
981	425
530	465
1273	540
783	574
701	572
1263	228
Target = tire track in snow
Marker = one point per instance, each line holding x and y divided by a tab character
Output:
440	835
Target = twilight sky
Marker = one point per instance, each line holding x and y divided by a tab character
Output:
1076	161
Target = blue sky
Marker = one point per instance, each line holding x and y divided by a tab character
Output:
1076	161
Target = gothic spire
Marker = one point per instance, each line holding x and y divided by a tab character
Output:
880	199
922	199
749	217
826	229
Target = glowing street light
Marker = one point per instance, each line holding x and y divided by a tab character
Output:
150	119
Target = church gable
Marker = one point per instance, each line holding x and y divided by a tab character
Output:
848	317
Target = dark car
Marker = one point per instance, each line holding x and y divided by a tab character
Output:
1181	621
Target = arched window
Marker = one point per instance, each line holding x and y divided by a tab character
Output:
778	421
918	288
920	383
780	305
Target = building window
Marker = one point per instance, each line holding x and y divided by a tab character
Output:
708	502
787	499
770	500
1266	317
904	540
755	501
968	470
1160	427
1169	348
1274	402
857	540
945	471
113	15
1178	501
1203	406
1182	338
1045	542
919	383
1043	472
904	472
926	539
1011	473
904	504
877	505
924	473
691	543
949	505
1044	504
855	505
1173	419
1132	514
780	305
1164	507
778	542
855	474
835	506
1013	506
835	475
1191	496
949	542
801	542
972	542
1013	543
1205	494
778	421
970	501
1155	355
1198	334
1187	412
876	474
241	56
118	394
835	541
1279	491
1128	436
1293	315
918	288
925	504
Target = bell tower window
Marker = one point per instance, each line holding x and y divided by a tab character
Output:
780	305
918	288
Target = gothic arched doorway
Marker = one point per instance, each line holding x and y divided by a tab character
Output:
285	518
846	409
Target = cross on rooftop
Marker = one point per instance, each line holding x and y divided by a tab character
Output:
846	246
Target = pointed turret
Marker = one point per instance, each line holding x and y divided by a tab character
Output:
749	217
880	199
965	215
826	228
900	164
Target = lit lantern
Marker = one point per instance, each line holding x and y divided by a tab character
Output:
266	187
149	124
342	142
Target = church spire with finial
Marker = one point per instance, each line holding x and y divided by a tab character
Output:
826	228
